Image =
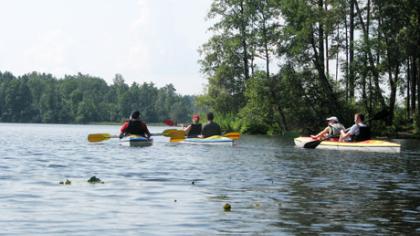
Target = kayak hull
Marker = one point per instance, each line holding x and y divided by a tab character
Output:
364	146
136	141
213	140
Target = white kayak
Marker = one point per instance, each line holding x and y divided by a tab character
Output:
364	146
136	141
212	140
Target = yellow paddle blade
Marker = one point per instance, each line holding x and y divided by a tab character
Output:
233	135
167	132
176	140
175	134
98	137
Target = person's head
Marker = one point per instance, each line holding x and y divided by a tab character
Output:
135	115
210	116
359	118
196	118
332	120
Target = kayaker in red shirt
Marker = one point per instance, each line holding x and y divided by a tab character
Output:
135	126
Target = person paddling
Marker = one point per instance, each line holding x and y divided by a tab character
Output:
358	132
135	126
332	131
194	129
211	128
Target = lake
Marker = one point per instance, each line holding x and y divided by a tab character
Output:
179	189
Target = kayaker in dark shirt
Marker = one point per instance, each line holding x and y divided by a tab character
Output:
134	126
211	128
194	129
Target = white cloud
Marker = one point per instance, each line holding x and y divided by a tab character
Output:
144	40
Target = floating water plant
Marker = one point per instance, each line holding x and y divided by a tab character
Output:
95	180
227	207
67	182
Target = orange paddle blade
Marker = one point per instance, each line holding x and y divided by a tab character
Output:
233	135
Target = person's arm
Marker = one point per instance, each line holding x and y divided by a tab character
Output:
187	129
344	135
322	133
146	130
123	129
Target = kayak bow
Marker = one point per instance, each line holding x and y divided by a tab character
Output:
136	141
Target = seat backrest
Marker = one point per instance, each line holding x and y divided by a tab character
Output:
364	134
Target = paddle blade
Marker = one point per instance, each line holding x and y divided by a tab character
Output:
176	140
168	122
167	132
98	137
312	144
175	134
233	135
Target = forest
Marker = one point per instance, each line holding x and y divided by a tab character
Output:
42	98
278	65
272	66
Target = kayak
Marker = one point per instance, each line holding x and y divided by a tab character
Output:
364	146
136	141
212	140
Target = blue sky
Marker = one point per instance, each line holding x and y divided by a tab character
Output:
144	40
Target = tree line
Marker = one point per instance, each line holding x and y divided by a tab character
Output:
279	65
38	97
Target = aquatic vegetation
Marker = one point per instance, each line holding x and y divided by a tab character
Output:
95	180
67	182
227	207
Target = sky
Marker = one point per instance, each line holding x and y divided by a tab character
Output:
143	40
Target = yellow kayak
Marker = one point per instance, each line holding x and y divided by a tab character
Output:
364	146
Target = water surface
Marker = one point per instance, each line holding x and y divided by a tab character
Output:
178	189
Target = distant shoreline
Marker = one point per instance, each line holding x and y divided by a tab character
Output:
92	123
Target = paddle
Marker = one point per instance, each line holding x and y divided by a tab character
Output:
313	144
169	122
99	137
93	138
378	116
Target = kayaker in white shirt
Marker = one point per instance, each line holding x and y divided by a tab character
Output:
354	130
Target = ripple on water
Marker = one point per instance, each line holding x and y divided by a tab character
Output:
273	188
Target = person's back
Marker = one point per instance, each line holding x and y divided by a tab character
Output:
363	134
135	126
335	129
211	128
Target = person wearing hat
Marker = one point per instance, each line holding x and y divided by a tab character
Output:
134	126
332	131
358	132
194	129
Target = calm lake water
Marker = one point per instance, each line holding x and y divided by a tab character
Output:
179	189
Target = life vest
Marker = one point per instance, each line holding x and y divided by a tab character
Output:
194	131
335	130
136	127
364	134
